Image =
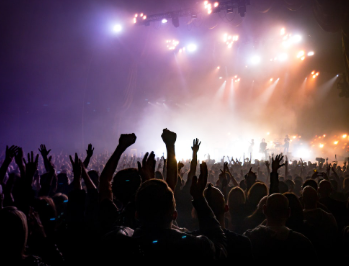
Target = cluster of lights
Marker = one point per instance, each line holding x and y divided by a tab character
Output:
319	141
236	79
209	6
140	16
315	74
172	44
229	39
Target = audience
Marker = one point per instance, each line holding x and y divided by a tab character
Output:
105	209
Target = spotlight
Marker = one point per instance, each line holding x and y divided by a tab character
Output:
230	10
300	54
335	143
163	21
344	136
255	60
283	57
192	47
136	15
313	72
271	79
314	76
297	38
135	20
218	67
282	32
144	17
321	146
117	28
220	77
175	21
216	4
302	58
311	53
235	38
317	74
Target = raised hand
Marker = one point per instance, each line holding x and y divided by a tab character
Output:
126	140
196	145
44	152
11	152
19	156
31	166
198	185
77	170
169	137
147	169
90	150
275	163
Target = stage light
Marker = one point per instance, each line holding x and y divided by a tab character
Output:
144	17
335	143
271	79
317	74
136	15
337	76
117	28
216	4
209	11
218	67
163	21
255	60
235	38
205	3
313	72
282	32
344	136
294	137
135	20
220	77
300	54
235	76
283	57
314	76
321	146
302	58
238	79
268	133
230	10
192	47
311	53
324	135
141	14
297	38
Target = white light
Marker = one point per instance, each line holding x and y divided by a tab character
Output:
311	53
117	28
283	57
282	32
297	38
216	4
192	47
164	21
255	60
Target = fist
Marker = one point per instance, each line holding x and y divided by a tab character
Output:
126	140
168	137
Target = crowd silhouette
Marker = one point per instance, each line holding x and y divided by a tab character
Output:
107	209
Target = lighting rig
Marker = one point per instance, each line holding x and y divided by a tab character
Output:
211	7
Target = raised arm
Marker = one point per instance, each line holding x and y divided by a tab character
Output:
125	141
209	226
89	153
193	163
274	176
169	139
9	155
